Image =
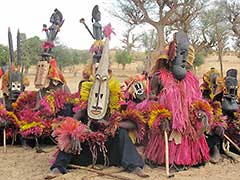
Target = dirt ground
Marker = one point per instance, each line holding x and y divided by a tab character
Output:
21	164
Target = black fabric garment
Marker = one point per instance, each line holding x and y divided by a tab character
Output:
120	152
213	140
66	111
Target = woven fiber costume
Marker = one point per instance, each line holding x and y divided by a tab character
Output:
34	112
98	137
210	83
13	84
177	89
227	93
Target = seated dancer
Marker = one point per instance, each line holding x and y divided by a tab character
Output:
101	134
33	111
210	83
13	84
209	88
177	89
226	94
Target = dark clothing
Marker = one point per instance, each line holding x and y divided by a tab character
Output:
213	140
120	152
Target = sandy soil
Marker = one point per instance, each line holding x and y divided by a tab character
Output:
20	164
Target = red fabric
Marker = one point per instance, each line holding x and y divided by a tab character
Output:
1	72
54	72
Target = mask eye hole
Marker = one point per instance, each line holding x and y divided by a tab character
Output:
42	65
96	95
98	77
13	85
104	78
18	86
39	65
101	96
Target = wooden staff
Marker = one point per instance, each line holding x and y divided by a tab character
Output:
4	141
4	132
167	155
99	173
233	143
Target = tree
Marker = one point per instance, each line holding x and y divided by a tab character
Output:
4	54
123	57
31	51
148	40
232	11
63	56
158	13
217	28
129	40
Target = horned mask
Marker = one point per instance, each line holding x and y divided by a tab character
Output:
99	94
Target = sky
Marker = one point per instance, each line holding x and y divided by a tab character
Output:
29	15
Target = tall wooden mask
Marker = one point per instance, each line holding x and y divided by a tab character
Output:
179	63
99	94
41	79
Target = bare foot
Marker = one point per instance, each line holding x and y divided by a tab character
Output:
215	156
139	171
53	174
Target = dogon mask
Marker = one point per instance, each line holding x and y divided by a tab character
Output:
41	79
99	94
179	63
229	103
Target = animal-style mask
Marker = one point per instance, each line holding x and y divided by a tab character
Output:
179	63
229	103
139	91
15	86
99	94
41	80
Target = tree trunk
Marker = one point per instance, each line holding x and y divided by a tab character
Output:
220	55
161	40
160	44
26	70
123	66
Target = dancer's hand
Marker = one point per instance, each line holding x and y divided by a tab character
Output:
164	125
5	123
219	131
75	146
202	116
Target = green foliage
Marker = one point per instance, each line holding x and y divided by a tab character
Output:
123	57
31	51
199	59
66	57
4	54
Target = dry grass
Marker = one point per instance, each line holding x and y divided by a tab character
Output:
130	70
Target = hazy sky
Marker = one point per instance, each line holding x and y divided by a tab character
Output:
30	15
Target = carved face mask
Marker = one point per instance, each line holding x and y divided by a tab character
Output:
99	94
139	93
179	63
213	80
41	79
230	95
99	98
16	87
